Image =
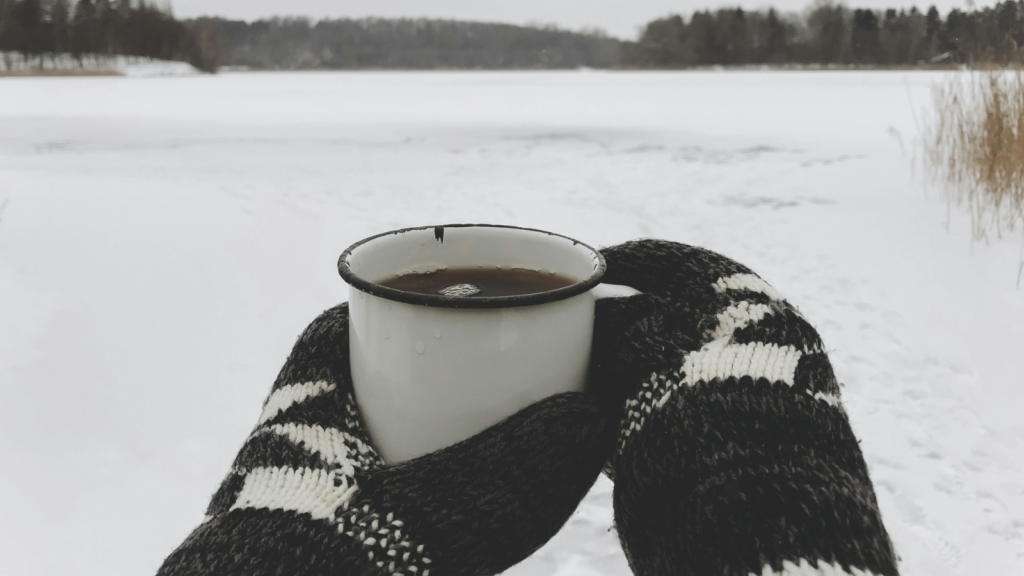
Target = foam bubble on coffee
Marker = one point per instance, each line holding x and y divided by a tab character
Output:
459	290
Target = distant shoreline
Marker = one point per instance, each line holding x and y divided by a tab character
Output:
57	73
85	72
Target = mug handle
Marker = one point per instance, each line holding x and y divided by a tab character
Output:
613	291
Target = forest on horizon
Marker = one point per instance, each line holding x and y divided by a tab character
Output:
825	34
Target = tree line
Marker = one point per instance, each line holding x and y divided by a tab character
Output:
36	28
832	34
299	43
825	34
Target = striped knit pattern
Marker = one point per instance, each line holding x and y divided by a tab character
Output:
308	495
735	455
301	465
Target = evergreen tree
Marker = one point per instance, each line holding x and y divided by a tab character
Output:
28	20
704	33
959	34
829	37
864	37
933	27
664	43
900	38
60	15
917	25
775	45
82	27
1010	23
103	27
735	40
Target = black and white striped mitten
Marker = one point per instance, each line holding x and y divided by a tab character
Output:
735	454
308	495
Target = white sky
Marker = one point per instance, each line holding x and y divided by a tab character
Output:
620	18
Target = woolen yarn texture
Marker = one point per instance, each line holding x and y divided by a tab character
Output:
735	455
308	495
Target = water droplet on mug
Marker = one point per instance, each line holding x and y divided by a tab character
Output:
420	348
387	336
437	333
459	290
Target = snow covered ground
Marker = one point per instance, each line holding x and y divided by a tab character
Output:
164	240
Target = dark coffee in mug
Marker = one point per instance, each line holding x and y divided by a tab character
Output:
477	282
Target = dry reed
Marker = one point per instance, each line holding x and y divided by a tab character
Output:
975	147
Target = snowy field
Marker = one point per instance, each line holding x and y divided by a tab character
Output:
164	240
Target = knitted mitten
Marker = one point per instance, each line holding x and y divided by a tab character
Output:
735	454
308	495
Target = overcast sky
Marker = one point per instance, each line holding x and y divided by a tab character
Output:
620	18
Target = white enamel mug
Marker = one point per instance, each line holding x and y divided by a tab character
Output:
431	370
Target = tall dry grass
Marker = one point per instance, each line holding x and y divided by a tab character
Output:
974	146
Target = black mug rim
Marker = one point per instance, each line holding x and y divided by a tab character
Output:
440	301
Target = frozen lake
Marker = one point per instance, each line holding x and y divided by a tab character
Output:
164	241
